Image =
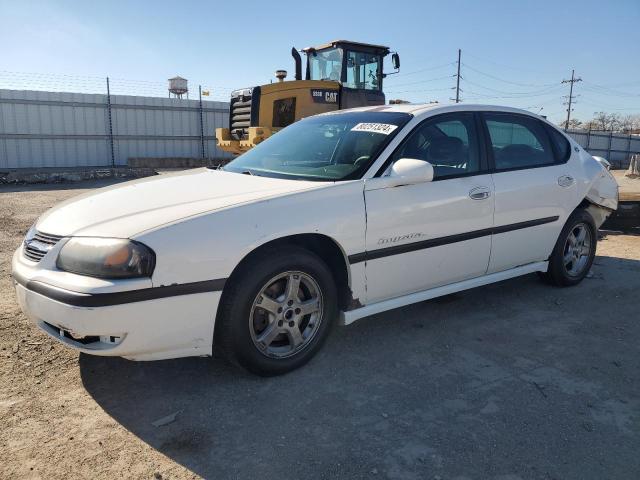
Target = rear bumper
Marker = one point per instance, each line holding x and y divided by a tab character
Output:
169	327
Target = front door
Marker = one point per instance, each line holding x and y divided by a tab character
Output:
435	233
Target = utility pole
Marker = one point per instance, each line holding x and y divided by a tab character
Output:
570	82
458	78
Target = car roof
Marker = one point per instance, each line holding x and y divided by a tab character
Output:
419	109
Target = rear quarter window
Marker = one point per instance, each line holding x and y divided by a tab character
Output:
561	146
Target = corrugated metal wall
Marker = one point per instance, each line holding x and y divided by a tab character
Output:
54	129
615	147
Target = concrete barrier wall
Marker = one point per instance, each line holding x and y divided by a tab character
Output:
57	129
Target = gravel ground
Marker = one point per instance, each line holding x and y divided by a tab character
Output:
513	380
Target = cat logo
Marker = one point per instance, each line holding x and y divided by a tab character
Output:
331	97
321	95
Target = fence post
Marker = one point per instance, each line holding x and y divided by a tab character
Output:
609	146
201	123
588	140
113	155
629	146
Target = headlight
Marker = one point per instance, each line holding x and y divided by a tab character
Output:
106	258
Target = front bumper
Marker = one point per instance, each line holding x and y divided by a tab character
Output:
169	327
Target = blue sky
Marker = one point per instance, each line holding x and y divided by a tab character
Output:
513	52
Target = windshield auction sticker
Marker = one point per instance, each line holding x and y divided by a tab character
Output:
383	128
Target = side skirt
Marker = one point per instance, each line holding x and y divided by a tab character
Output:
351	316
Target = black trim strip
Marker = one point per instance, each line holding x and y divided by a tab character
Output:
437	242
77	299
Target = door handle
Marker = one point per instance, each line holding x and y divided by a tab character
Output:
566	180
480	193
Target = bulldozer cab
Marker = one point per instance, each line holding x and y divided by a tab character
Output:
339	74
356	66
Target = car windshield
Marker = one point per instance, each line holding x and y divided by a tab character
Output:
338	146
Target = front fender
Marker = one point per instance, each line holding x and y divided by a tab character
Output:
210	246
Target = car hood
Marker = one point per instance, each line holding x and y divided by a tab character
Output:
132	207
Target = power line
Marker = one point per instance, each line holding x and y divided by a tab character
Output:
483	95
507	81
421	81
436	67
606	107
420	90
599	90
570	82
515	94
511	67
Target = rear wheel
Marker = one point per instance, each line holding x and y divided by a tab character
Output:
277	311
574	251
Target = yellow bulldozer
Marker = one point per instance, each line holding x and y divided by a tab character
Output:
339	74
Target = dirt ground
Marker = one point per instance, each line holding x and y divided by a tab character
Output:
513	380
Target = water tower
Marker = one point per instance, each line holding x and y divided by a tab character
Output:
178	86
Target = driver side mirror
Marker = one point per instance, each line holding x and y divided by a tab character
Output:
409	171
395	61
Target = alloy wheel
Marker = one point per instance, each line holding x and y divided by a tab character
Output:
577	249
286	314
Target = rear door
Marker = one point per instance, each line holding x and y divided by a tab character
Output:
434	233
534	192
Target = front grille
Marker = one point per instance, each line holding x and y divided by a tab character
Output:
243	110
61	332
39	245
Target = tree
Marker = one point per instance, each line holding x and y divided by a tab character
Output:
574	124
626	123
606	121
613	121
590	125
600	120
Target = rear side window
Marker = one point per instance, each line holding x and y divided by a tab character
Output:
518	142
560	144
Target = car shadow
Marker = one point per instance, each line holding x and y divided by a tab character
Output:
416	389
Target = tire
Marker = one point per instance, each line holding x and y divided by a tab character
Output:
574	251
261	310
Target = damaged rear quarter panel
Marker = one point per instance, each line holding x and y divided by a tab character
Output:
595	182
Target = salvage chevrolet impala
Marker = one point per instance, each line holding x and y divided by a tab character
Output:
335	218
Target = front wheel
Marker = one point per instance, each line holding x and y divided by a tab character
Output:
277	311
574	251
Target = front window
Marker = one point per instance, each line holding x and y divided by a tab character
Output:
363	71
339	146
448	142
325	64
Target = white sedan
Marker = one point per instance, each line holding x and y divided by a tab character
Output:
337	217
